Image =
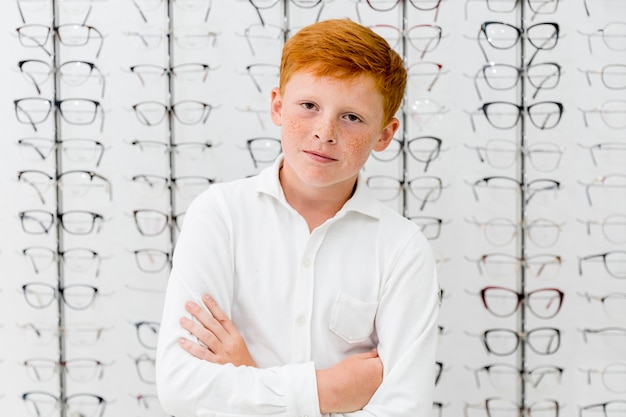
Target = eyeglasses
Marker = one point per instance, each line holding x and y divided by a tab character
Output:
614	263
38	180
614	304
425	188
504	376
266	34
613	376
609	151
499	182
501	36
187	112
260	109
499	407
151	403
613	227
503	342
423	38
145	366
613	408
76	259
73	73
507	6
75	150
612	113
426	113
188	150
503	154
430	226
614	337
146	6
71	35
386	5
304	4
500	231
147	333
190	37
75	296
153	186
76	111
191	72
151	222
506	115
423	149
544	303
424	74
505	266
608	183
76	182
40	404
151	260
78	370
613	76
263	72
72	7
263	149
613	35
501	77
76	222
82	334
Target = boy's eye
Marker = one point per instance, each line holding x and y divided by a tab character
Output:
353	118
308	106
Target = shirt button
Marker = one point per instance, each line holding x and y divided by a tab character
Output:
300	321
306	263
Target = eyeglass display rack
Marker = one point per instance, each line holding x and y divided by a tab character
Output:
587	56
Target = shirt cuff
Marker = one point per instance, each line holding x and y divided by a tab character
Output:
302	399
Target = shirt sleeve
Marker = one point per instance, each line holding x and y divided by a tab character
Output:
407	329
190	387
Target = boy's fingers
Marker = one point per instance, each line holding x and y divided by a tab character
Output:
219	315
206	319
196	350
199	331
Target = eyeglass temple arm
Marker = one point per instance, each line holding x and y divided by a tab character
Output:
101	44
143	16
258	12
30	119
480	96
584	112
33	81
482	49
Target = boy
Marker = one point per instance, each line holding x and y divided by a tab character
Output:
322	300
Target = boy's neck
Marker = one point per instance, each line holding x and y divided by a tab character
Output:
315	205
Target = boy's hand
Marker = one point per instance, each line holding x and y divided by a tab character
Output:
349	385
222	342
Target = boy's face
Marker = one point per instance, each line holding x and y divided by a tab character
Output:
329	128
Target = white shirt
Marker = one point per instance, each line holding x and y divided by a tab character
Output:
302	301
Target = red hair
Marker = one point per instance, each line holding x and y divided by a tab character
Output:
344	49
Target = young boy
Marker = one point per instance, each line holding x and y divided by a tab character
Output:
309	296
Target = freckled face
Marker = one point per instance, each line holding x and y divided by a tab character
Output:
329	128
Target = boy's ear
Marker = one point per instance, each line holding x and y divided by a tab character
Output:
276	105
386	135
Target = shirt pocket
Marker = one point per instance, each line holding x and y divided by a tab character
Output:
352	319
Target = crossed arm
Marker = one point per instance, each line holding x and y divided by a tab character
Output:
344	387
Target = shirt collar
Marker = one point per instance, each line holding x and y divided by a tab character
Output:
362	201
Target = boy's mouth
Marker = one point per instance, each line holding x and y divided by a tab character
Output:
317	156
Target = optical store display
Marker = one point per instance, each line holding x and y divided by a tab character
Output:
511	158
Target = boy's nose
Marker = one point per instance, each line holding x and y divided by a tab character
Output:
325	131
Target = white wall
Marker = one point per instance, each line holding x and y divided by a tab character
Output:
130	295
